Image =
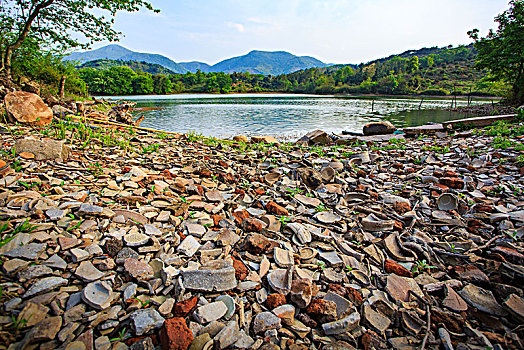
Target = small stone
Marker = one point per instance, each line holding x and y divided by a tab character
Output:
124	254
129	291
145	320
189	246
256	243
379	128
275	300
14	265
55	214
44	285
286	313
228	335
79	254
175	335
301	292
98	295
102	343
276	209
166	307
322	310
183	308
138	269
88	272
67	243
56	262
265	321
136	239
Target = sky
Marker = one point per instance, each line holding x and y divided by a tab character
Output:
334	31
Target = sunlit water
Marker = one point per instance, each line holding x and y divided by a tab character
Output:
284	115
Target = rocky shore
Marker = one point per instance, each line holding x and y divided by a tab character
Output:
147	241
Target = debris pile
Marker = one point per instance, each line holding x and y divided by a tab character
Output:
202	244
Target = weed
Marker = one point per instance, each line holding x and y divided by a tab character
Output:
320	208
321	265
121	336
284	220
420	266
150	148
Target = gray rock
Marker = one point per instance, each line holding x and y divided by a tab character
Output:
151	230
145	320
265	321
210	312
56	262
378	128
43	149
129	291
244	341
88	272
34	271
217	276
55	214
79	254
29	251
341	326
124	254
189	246
228	335
44	285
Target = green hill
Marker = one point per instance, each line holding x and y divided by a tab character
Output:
151	68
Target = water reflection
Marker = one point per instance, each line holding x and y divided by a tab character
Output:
284	115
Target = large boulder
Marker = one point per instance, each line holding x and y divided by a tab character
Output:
45	149
379	128
26	107
316	137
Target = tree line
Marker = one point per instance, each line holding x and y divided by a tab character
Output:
435	71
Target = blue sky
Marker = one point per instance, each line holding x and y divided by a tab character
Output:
334	31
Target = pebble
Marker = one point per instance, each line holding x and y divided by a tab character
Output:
146	320
210	312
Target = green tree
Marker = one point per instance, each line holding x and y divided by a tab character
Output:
142	84
502	51
54	21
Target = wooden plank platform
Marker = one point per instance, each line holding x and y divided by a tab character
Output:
479	121
424	129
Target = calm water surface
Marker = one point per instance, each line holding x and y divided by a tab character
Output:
284	115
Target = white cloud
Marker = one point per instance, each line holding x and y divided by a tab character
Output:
238	26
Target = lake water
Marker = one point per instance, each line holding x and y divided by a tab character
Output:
284	115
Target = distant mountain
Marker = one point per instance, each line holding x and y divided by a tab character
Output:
258	62
117	52
193	66
103	64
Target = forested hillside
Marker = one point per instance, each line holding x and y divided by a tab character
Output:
103	64
428	71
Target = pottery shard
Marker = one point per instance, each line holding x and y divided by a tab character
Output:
515	305
481	299
215	276
453	301
25	107
379	128
322	310
45	149
176	335
398	287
